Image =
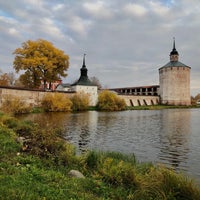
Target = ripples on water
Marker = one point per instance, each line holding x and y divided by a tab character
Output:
171	137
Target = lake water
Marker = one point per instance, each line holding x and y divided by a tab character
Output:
170	136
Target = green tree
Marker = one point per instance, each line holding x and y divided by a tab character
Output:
40	61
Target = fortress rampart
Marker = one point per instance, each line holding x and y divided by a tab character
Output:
31	97
34	97
132	100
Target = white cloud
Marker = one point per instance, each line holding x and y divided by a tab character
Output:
98	9
49	27
79	26
158	8
58	7
135	9
123	41
13	31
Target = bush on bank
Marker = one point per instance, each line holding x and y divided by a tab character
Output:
109	101
15	105
56	102
35	165
80	102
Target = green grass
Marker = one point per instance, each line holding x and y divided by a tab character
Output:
33	174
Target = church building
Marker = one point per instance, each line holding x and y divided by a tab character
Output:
85	86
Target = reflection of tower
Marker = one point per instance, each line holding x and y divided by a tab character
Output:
174	80
174	137
86	123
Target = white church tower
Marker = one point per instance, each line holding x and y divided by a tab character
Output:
85	86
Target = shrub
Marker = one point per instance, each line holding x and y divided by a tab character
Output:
14	105
162	183
109	101
54	102
118	173
93	159
80	102
49	144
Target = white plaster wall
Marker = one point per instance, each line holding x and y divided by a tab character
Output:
91	91
31	97
175	85
140	100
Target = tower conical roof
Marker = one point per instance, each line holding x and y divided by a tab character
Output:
174	51
174	58
84	80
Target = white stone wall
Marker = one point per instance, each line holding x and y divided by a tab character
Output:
132	100
91	91
32	98
175	85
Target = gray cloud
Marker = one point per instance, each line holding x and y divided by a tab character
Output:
125	42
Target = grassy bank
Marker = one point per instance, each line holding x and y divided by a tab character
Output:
35	165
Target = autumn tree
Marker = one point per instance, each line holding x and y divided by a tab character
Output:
41	62
7	79
96	82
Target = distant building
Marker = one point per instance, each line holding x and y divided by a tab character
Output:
63	87
173	88
50	86
174	81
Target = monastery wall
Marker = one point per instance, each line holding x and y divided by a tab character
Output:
34	97
132	100
31	97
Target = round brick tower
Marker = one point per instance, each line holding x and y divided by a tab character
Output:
174	78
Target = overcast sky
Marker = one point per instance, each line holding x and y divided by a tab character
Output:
126	41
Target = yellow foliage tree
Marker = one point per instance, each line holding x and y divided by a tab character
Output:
109	101
7	79
41	61
56	102
80	102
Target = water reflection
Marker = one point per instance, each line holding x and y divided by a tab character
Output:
162	136
174	137
81	128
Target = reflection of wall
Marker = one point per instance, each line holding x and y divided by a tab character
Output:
79	128
174	136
